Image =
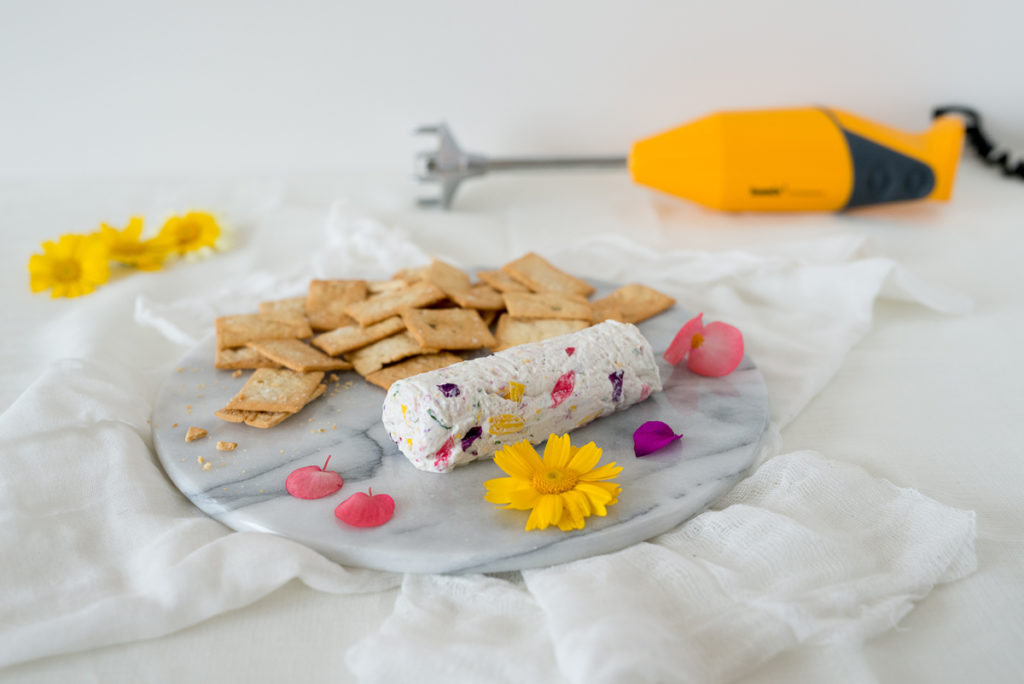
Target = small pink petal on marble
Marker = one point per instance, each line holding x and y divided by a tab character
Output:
719	353
683	341
652	436
365	510
713	350
313	482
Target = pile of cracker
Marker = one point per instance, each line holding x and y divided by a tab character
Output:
422	319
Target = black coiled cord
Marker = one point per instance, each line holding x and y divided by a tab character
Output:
981	143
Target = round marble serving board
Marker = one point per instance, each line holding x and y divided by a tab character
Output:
441	521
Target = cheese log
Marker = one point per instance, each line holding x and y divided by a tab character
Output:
455	415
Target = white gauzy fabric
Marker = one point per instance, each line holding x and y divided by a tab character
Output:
804	550
99	548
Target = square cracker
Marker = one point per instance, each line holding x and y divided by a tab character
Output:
448	328
237	330
298	356
607	309
242	358
385	377
354	336
293	307
411	275
635	302
276	390
377	287
395	348
538	274
480	296
383	306
447	278
548	305
263	419
326	301
501	281
515	331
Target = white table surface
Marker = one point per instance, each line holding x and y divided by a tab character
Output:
927	401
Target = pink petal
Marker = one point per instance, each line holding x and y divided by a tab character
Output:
683	340
365	510
313	482
651	436
563	388
719	353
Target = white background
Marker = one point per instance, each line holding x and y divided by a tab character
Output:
119	88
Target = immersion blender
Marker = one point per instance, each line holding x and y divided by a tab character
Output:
799	159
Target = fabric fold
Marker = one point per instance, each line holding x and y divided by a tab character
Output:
98	546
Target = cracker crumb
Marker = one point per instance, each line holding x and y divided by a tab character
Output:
201	386
237	374
321	429
200	460
181	369
334	377
207	466
261	491
226	446
195	433
174	425
188	407
335	427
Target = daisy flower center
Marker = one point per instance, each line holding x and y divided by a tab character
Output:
67	270
554	480
696	341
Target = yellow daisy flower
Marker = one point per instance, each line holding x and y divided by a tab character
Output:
72	266
563	488
126	246
189	233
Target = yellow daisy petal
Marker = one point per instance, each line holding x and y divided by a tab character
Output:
518	460
524	499
567	524
576	506
499	490
585	458
557	451
607	471
536	521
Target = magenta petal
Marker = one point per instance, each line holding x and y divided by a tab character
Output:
365	510
683	340
651	436
719	353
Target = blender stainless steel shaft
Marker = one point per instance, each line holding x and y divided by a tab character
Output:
449	165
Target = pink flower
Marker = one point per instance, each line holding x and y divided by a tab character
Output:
713	350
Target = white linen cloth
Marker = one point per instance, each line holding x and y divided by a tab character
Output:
99	548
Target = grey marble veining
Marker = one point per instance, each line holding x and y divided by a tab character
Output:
441	522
